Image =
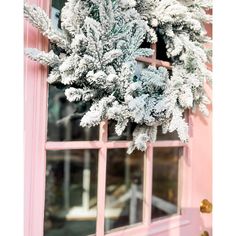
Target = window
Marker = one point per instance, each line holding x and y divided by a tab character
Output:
93	187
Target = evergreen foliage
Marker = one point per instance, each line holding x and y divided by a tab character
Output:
99	41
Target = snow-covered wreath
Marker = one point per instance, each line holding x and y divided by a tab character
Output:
98	44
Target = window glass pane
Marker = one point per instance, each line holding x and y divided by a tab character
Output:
167	136
64	119
57	5
126	135
71	193
63	116
161	48
145	44
124	188
165	181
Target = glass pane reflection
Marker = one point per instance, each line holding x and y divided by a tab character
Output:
63	123
71	193
165	181
124	188
168	136
64	119
126	135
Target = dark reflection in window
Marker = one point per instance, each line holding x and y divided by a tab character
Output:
71	193
64	118
168	136
161	48
145	44
57	5
124	188
165	181
126	135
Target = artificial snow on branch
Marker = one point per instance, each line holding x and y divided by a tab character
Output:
49	59
39	19
98	44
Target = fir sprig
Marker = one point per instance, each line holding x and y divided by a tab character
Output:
94	60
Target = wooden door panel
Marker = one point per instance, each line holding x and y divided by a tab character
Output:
195	171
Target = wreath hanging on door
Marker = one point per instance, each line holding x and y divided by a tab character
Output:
95	60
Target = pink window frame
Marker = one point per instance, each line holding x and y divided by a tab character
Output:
36	144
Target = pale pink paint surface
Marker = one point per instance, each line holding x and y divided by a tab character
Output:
35	102
195	174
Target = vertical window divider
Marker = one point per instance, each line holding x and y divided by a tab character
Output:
147	203
148	166
103	132
101	193
154	48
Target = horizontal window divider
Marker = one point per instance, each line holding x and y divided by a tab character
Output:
117	144
63	145
163	225
168	143
74	145
129	230
160	226
155	62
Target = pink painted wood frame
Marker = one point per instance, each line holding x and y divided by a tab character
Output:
147	227
35	113
36	146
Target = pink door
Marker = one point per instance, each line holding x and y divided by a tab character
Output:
82	182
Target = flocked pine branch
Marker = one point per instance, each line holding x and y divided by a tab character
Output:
39	19
101	40
73	15
49	59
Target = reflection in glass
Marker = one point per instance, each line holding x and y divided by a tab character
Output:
139	67
165	181
126	135
168	136
71	193
64	118
161	48
124	188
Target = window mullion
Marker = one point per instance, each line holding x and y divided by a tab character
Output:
154	48
148	167
101	193
103	132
